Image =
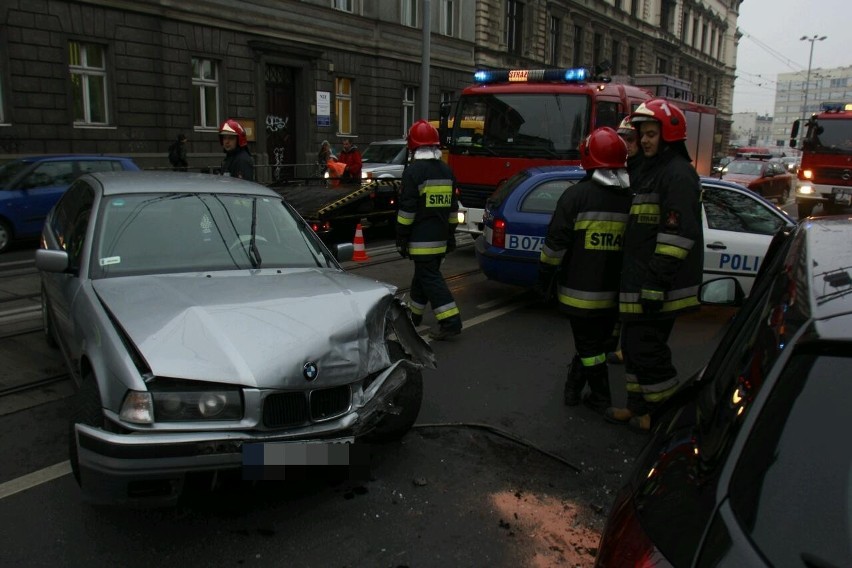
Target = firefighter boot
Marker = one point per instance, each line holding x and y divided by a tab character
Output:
575	382
599	398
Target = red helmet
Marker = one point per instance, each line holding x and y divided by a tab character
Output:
233	128
672	120
422	133
603	148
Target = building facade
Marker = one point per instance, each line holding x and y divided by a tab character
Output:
826	85
126	77
752	129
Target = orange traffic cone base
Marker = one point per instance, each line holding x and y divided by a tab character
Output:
360	254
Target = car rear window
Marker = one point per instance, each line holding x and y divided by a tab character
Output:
792	487
543	198
506	188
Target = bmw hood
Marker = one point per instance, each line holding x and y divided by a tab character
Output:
256	329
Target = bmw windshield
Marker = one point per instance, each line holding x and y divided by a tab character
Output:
170	233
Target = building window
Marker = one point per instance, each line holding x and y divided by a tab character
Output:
345	5
694	41
704	38
666	14
662	65
87	66
553	39
447	22
577	55
514	26
409	96
596	52
684	27
343	101
634	8
409	13
616	57
205	89
631	61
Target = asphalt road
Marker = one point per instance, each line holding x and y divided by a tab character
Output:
497	472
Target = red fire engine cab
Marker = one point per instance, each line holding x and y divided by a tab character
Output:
825	174
510	120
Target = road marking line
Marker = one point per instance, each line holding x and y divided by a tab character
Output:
56	471
35	478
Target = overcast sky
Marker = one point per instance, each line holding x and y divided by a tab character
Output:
770	45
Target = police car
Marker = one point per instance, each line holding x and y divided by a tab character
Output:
738	226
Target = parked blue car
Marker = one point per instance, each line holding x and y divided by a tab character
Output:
738	226
29	187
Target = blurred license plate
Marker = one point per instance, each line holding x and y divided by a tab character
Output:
301	460
524	242
842	195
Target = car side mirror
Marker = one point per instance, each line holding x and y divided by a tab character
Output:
725	291
51	260
343	251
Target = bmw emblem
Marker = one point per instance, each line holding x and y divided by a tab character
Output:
310	371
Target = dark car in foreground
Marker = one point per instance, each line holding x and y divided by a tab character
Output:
210	330
738	226
29	187
749	464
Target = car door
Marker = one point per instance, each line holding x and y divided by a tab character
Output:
38	191
738	227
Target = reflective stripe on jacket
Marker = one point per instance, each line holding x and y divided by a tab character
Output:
663	243
428	207
585	240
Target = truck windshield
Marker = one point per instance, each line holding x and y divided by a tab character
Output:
832	135
540	125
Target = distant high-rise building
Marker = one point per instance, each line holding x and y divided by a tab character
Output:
826	85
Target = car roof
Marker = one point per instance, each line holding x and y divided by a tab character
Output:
825	268
72	157
394	141
552	170
117	183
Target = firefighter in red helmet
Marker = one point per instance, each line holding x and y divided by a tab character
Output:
425	228
238	162
663	259
581	260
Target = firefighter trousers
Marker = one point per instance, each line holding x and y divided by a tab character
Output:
648	366
429	287
592	339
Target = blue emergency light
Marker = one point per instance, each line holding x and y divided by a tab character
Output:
577	75
835	107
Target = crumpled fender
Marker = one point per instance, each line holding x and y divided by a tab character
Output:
415	346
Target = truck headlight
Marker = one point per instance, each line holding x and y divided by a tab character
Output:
805	189
461	216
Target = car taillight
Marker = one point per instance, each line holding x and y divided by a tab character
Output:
498	233
625	544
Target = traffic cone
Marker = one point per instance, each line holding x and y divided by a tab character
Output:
360	254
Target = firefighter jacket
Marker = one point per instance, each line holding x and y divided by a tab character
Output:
238	163
584	240
663	243
428	208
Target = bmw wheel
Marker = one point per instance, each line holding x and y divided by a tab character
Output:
409	398
87	410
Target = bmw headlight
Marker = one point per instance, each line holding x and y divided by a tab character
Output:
182	405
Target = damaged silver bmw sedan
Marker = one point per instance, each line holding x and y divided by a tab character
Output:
209	329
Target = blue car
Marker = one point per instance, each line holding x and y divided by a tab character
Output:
29	187
738	226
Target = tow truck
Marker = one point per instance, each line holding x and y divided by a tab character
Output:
825	174
511	120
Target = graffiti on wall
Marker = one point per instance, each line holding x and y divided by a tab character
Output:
278	139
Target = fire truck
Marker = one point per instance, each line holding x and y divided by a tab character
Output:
510	120
825	174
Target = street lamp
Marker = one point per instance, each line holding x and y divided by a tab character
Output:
812	39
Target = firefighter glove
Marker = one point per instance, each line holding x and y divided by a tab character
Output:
402	246
651	300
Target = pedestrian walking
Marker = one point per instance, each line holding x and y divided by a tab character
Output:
663	260
238	162
425	228
177	154
582	252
